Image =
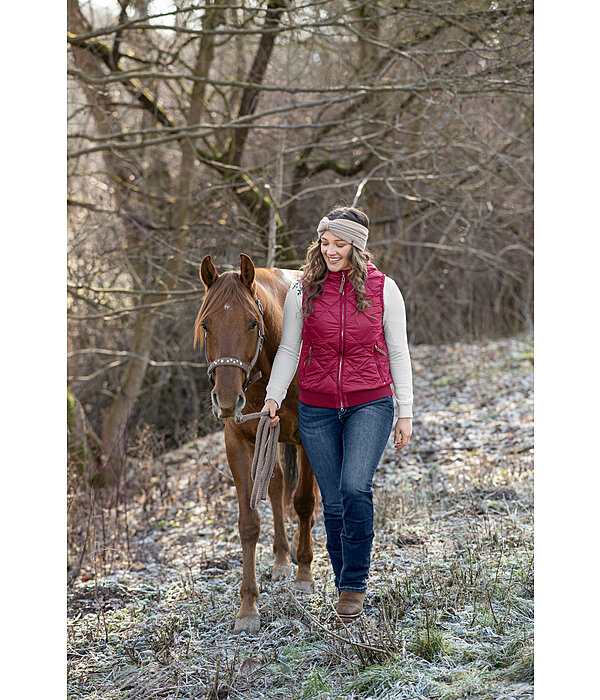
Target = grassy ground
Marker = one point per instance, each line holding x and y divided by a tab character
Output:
449	613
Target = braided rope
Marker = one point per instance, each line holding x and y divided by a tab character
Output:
265	454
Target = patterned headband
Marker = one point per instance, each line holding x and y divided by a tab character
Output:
347	230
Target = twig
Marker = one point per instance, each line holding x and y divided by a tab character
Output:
333	634
440	516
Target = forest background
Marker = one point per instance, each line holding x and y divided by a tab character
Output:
565	199
227	127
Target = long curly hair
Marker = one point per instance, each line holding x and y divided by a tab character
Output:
315	270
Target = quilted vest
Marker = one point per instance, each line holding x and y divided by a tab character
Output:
344	357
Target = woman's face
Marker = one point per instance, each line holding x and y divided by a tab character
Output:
335	251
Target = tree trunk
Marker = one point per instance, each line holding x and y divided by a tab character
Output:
116	416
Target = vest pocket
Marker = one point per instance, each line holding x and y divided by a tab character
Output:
308	357
304	369
382	370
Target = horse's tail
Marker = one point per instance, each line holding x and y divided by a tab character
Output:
287	455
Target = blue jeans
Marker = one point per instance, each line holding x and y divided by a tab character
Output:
344	448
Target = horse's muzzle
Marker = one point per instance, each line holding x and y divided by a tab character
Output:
223	409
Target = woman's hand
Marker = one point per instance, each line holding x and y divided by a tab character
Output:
403	432
271	407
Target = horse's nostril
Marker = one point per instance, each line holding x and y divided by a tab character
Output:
241	402
216	407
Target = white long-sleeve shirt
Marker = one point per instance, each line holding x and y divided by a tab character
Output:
286	360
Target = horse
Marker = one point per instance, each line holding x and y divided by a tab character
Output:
239	324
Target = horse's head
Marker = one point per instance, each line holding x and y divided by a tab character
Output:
230	326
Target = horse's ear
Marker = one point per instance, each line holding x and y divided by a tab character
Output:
247	270
208	272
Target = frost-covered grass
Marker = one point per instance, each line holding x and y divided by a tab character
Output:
449	613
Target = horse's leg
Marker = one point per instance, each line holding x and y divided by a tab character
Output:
305	499
281	546
239	456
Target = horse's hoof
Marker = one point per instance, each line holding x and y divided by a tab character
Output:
304	586
249	625
280	571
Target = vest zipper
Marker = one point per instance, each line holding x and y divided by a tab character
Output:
342	292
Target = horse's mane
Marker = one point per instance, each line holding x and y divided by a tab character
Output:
229	288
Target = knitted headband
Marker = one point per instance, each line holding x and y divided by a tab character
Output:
349	231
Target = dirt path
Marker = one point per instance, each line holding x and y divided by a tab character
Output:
450	607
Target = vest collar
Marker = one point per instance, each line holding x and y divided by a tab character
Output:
337	276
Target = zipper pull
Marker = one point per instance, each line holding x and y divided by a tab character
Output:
342	282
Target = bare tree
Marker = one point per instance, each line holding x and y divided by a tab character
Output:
223	128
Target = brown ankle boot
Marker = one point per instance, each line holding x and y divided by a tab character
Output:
350	604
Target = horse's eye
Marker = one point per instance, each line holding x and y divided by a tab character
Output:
204	326
253	324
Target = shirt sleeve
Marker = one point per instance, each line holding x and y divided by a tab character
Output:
287	357
394	329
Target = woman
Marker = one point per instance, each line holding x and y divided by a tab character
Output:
344	324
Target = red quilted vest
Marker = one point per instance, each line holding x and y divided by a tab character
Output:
344	358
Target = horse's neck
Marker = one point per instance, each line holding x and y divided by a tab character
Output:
273	292
255	395
265	361
271	343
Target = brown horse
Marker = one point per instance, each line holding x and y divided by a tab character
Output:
239	324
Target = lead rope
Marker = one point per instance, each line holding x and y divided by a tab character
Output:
265	454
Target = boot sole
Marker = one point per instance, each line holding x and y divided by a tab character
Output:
348	618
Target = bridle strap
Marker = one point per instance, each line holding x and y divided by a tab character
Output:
234	362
